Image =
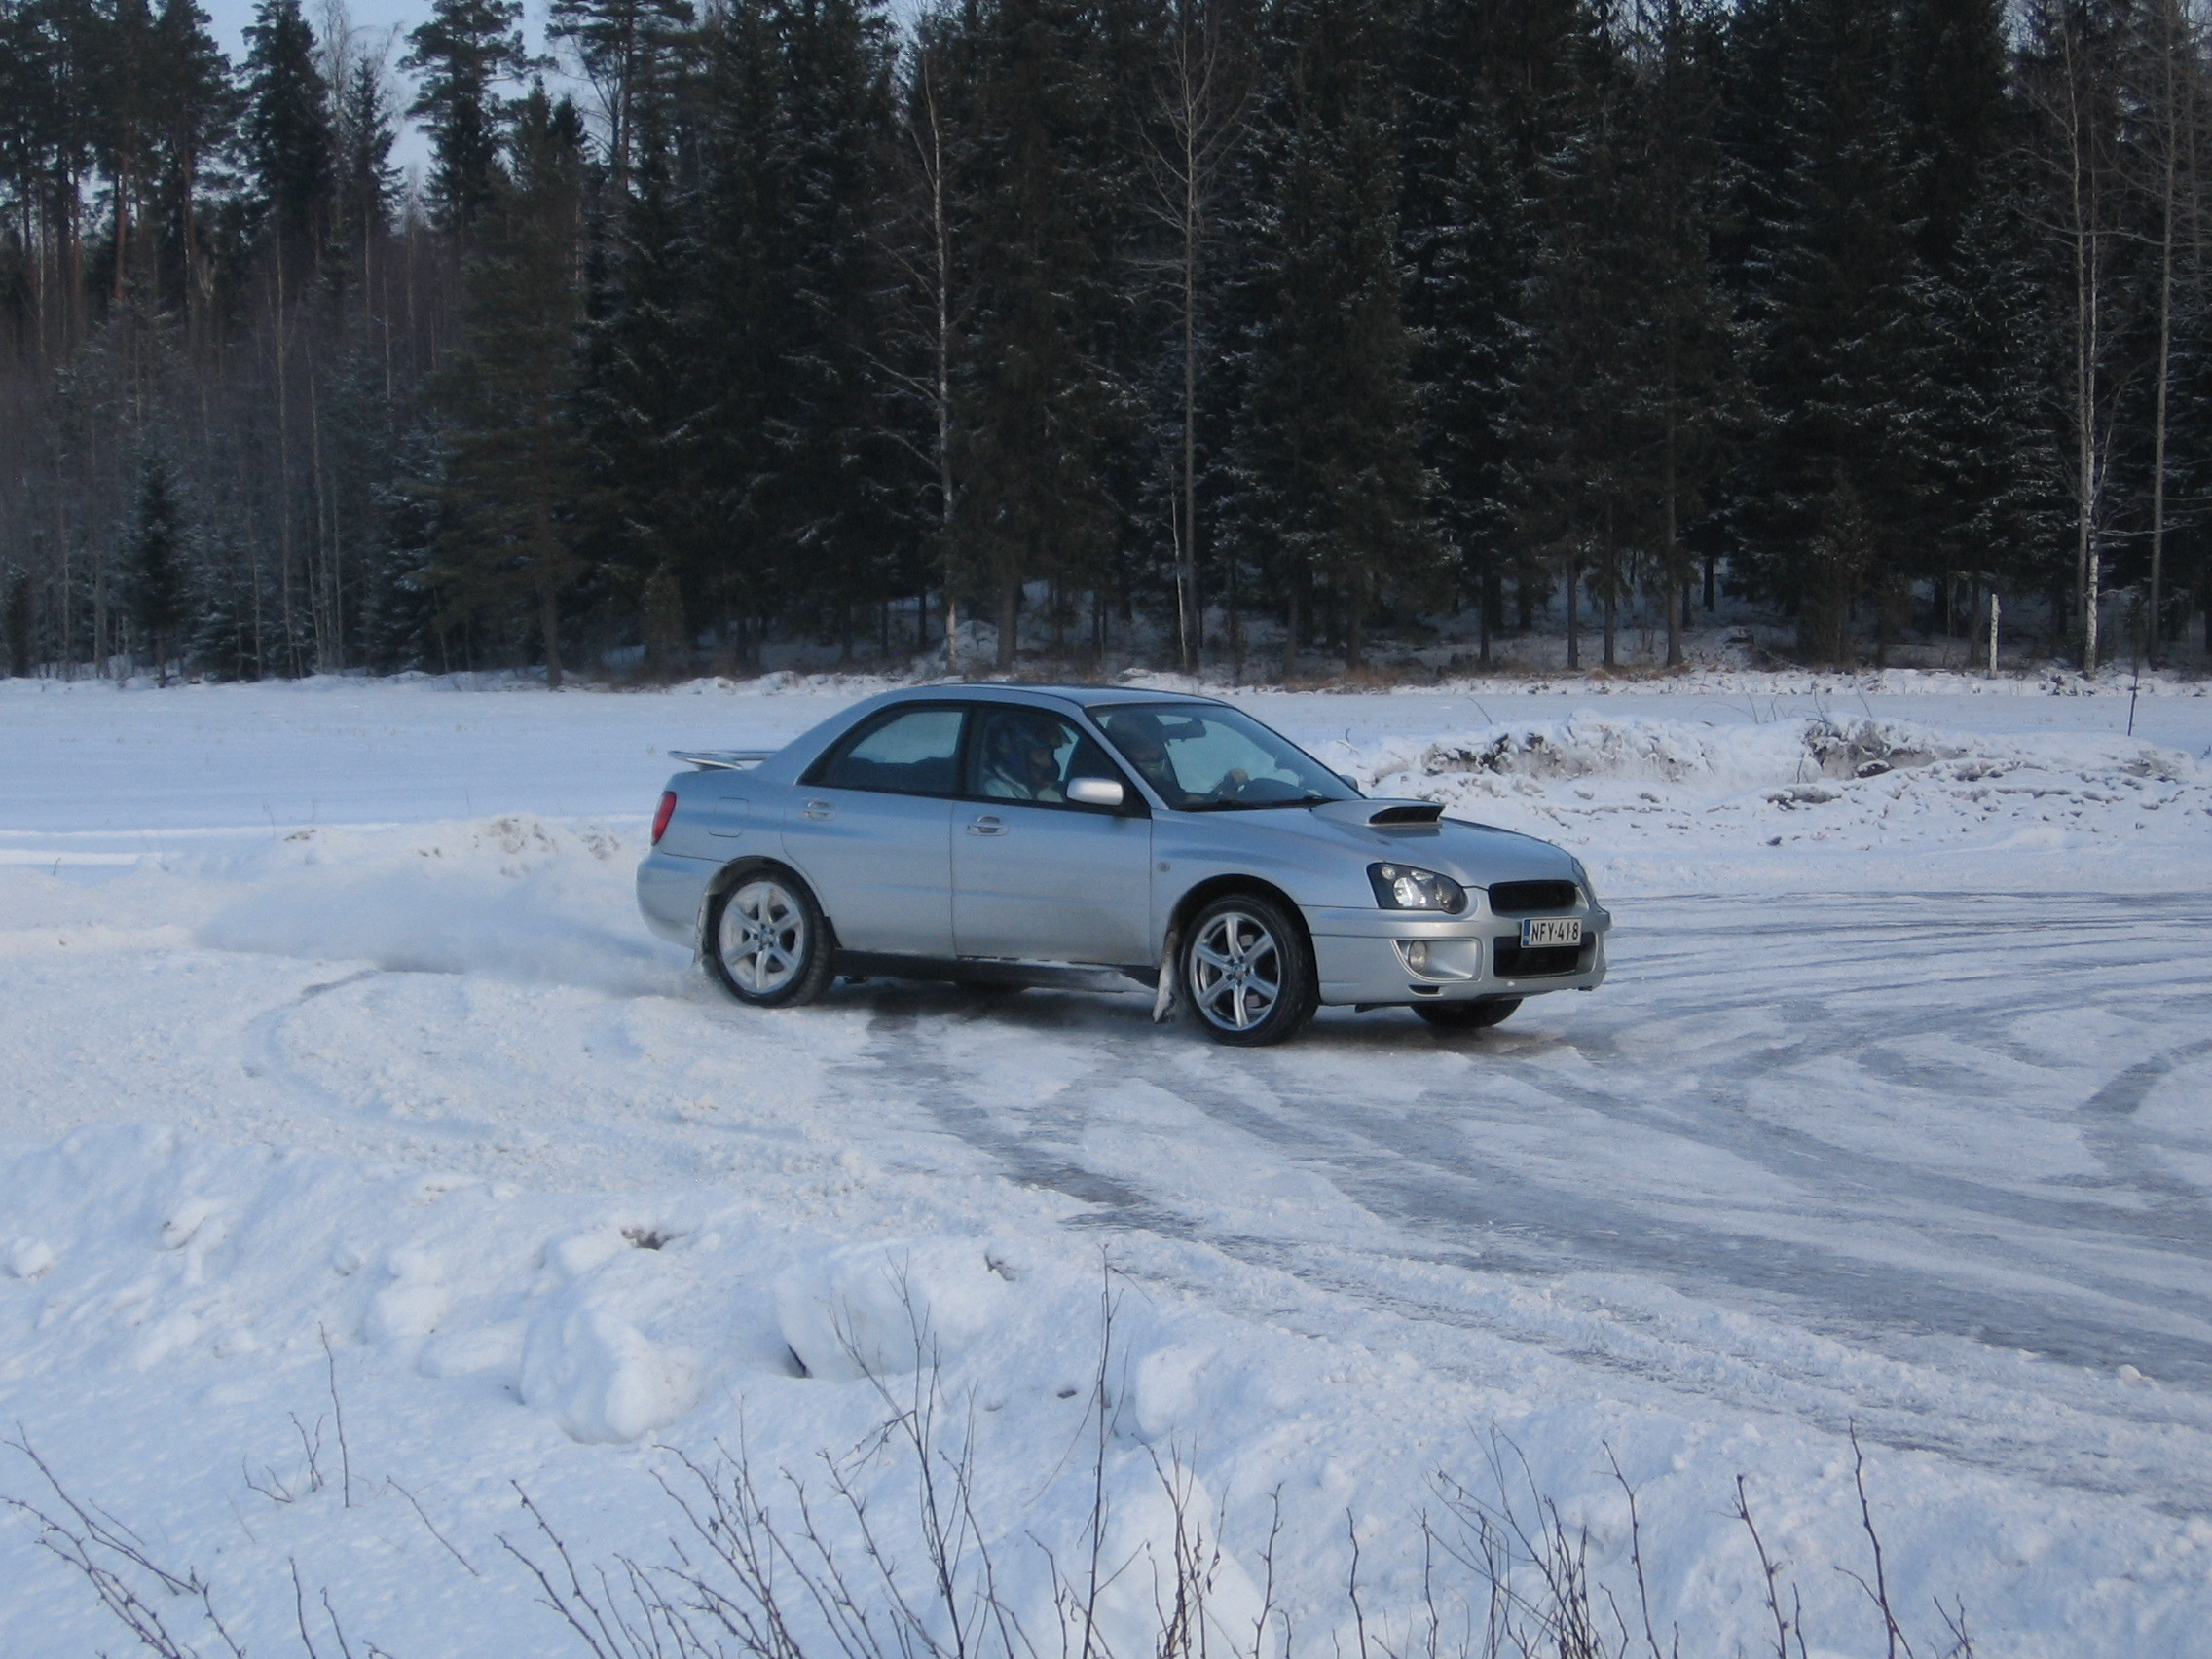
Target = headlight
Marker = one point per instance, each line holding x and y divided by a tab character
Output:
1401	887
1582	878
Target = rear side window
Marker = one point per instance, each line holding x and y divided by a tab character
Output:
901	751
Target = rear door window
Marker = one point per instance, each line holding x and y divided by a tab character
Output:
1024	754
901	752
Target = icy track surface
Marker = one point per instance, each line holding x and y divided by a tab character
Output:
324	1016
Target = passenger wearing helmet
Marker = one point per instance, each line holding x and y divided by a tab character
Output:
1021	755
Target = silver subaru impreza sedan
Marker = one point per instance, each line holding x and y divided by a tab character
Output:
1010	835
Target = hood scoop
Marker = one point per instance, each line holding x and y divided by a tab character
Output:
1382	814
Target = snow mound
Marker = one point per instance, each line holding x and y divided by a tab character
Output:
889	1308
596	1374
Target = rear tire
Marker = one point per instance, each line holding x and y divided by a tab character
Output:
767	943
1249	971
1467	1015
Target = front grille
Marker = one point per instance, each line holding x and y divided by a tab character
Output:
1533	898
1513	960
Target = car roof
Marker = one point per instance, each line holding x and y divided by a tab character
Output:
1083	696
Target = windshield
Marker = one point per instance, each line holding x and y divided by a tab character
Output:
1203	758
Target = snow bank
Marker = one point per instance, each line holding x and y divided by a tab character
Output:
1816	803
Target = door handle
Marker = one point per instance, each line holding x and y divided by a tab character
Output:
986	826
818	810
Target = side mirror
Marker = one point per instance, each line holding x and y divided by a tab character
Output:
1348	781
1095	792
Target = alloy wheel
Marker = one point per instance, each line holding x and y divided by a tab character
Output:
1237	970
763	938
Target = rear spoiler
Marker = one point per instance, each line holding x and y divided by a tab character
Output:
722	759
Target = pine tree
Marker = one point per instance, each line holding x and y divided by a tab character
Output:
155	562
196	105
459	58
125	95
629	51
516	458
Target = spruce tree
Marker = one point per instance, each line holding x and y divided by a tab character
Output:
515	469
841	488
1832	306
1970	403
287	137
1033	396
639	395
1574	418
1682	347
1467	228
155	561
1330	440
367	181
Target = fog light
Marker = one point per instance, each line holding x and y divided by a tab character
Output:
1416	956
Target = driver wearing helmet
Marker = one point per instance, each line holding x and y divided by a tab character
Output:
1142	738
1021	757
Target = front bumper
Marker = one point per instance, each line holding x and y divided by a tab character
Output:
1357	959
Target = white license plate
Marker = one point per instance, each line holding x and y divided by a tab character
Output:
1550	929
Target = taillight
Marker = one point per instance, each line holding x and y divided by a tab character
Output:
664	814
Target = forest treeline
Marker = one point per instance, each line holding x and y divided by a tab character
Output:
797	318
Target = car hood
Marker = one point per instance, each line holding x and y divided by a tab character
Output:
1475	855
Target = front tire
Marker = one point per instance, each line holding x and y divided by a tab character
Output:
767	943
1249	971
1467	1015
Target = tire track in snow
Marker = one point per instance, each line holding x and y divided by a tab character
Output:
1882	1290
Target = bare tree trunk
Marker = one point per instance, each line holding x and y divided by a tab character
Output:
286	612
2173	39
1675	587
929	146
1574	605
1201	124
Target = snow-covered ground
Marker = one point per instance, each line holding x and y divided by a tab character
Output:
337	1073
